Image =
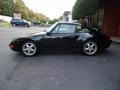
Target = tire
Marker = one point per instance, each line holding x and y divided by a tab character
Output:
13	24
29	48
27	25
90	48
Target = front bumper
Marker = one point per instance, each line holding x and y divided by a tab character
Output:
14	46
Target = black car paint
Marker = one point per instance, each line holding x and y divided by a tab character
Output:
69	41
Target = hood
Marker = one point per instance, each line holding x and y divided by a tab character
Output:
36	33
30	35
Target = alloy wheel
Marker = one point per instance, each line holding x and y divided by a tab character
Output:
29	49
90	48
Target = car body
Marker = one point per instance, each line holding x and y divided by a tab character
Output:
65	36
20	22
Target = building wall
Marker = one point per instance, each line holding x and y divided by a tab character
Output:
112	18
67	16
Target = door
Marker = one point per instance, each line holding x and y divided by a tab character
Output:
66	36
17	21
48	42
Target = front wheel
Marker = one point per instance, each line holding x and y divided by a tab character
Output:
90	48
13	24
29	48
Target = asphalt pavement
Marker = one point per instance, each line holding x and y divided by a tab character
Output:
57	70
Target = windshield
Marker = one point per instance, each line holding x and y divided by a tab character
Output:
51	27
24	20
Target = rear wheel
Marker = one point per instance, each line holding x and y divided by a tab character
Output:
29	48
26	25
90	48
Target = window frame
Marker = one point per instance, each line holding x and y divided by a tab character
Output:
58	25
59	28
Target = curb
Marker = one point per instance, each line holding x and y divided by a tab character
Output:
116	40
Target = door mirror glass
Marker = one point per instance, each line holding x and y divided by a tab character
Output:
48	33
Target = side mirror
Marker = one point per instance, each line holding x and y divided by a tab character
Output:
48	33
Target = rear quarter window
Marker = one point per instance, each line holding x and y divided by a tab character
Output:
85	30
78	28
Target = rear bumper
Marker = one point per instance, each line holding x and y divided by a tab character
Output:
107	43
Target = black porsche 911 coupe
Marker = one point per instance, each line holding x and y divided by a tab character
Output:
62	35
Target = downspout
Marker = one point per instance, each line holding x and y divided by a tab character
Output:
104	16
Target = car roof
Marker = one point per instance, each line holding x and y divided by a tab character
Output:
15	19
62	22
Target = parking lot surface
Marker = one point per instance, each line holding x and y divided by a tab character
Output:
56	70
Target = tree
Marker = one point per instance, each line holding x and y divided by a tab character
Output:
20	7
75	11
84	8
8	8
27	13
54	21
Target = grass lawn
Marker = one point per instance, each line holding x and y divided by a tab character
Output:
5	24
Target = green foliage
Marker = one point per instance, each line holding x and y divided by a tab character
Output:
84	8
75	11
29	14
8	8
54	21
5	24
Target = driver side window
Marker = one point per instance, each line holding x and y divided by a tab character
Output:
66	28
